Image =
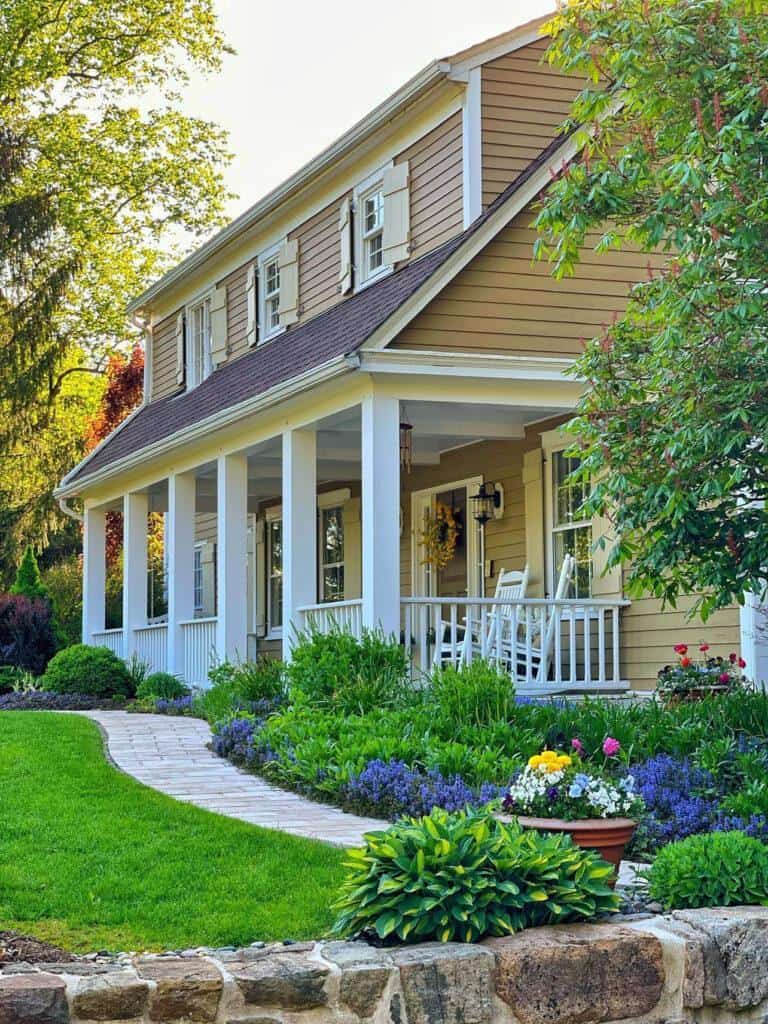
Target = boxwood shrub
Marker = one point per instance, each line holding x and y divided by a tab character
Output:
161	685
715	869
95	671
462	876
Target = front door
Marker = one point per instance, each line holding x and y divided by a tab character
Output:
461	574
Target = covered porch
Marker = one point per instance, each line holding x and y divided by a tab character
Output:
335	521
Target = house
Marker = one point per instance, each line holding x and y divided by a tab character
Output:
365	365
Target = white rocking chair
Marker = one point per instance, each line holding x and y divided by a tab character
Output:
536	652
482	632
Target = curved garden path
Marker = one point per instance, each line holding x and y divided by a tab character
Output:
171	754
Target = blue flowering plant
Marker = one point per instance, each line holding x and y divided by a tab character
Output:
557	785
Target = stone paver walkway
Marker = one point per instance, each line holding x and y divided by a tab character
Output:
170	754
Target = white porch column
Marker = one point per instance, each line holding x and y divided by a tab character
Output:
135	511
299	529
381	513
94	572
180	538
232	568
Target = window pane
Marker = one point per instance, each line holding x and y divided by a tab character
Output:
569	494
276	602
577	542
375	252
273	314
275	570
333	583
333	536
373	209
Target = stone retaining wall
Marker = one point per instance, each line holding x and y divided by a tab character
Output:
708	966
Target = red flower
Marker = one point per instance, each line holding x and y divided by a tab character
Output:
742	663
681	648
724	677
704	648
685	662
732	658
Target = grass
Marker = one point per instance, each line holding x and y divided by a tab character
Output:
91	859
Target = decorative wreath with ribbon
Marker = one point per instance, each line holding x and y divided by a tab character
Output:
440	535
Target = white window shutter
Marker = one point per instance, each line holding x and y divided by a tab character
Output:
605	582
533	488
397	214
288	261
345	237
251	296
180	348
218	326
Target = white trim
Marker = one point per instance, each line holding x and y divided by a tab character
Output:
497	46
553	442
190	380
373	183
463	364
336	506
472	149
273	515
266	258
421	575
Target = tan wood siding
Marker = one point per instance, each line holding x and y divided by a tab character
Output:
163	369
522	103
237	311
503	302
436	196
319	260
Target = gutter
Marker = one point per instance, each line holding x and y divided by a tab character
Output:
69	511
279	393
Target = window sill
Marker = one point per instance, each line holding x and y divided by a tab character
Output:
378	276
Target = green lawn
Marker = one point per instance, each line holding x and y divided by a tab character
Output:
91	859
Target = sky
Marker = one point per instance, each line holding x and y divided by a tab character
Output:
305	72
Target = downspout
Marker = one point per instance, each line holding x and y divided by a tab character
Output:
68	511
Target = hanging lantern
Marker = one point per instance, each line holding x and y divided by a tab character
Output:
406	446
486	503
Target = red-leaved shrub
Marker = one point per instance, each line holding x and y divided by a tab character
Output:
27	638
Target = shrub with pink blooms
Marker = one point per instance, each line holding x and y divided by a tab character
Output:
696	674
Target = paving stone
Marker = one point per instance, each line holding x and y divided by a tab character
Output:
184	989
446	983
290	981
33	999
116	996
579	974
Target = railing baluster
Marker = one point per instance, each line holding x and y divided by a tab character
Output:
615	639
573	669
529	646
587	646
454	620
558	632
601	644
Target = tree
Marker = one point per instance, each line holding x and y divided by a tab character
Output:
28	582
674	126
97	164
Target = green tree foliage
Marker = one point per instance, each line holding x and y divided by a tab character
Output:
28	582
674	161
64	582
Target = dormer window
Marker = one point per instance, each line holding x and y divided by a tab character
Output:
372	215
271	296
199	361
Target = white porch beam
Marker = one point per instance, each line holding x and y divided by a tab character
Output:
180	538
232	547
135	511
94	572
381	513
299	528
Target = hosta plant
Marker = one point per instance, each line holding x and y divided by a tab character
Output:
457	877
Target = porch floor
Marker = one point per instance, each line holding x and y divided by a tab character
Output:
170	754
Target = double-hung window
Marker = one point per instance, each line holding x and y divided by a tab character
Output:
371	213
199	363
269	286
571	529
332	554
274	576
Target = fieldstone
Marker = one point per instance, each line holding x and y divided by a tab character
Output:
289	980
184	989
117	996
734	949
365	972
33	999
446	983
578	975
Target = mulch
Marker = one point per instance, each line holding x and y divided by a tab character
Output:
17	948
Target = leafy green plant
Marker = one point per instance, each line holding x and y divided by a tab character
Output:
478	693
161	686
263	679
462	876
95	671
719	869
138	670
335	669
28	582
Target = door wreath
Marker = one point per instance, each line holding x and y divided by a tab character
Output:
440	535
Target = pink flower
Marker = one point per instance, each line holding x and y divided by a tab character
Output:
611	747
742	663
704	648
724	677
577	745
732	658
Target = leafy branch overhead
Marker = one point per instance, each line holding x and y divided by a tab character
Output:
674	162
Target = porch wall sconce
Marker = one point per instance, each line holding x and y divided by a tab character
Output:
488	503
406	446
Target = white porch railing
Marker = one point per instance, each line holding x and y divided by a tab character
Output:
151	645
344	615
199	650
546	646
111	638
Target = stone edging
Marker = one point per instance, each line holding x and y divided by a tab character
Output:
690	966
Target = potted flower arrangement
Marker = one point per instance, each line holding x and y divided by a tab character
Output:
692	679
556	792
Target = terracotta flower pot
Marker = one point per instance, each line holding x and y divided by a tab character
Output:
609	836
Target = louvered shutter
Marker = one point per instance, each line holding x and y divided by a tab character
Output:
533	488
180	348
345	238
397	214
218	326
252	304
288	261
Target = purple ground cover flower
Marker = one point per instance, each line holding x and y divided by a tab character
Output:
176	706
